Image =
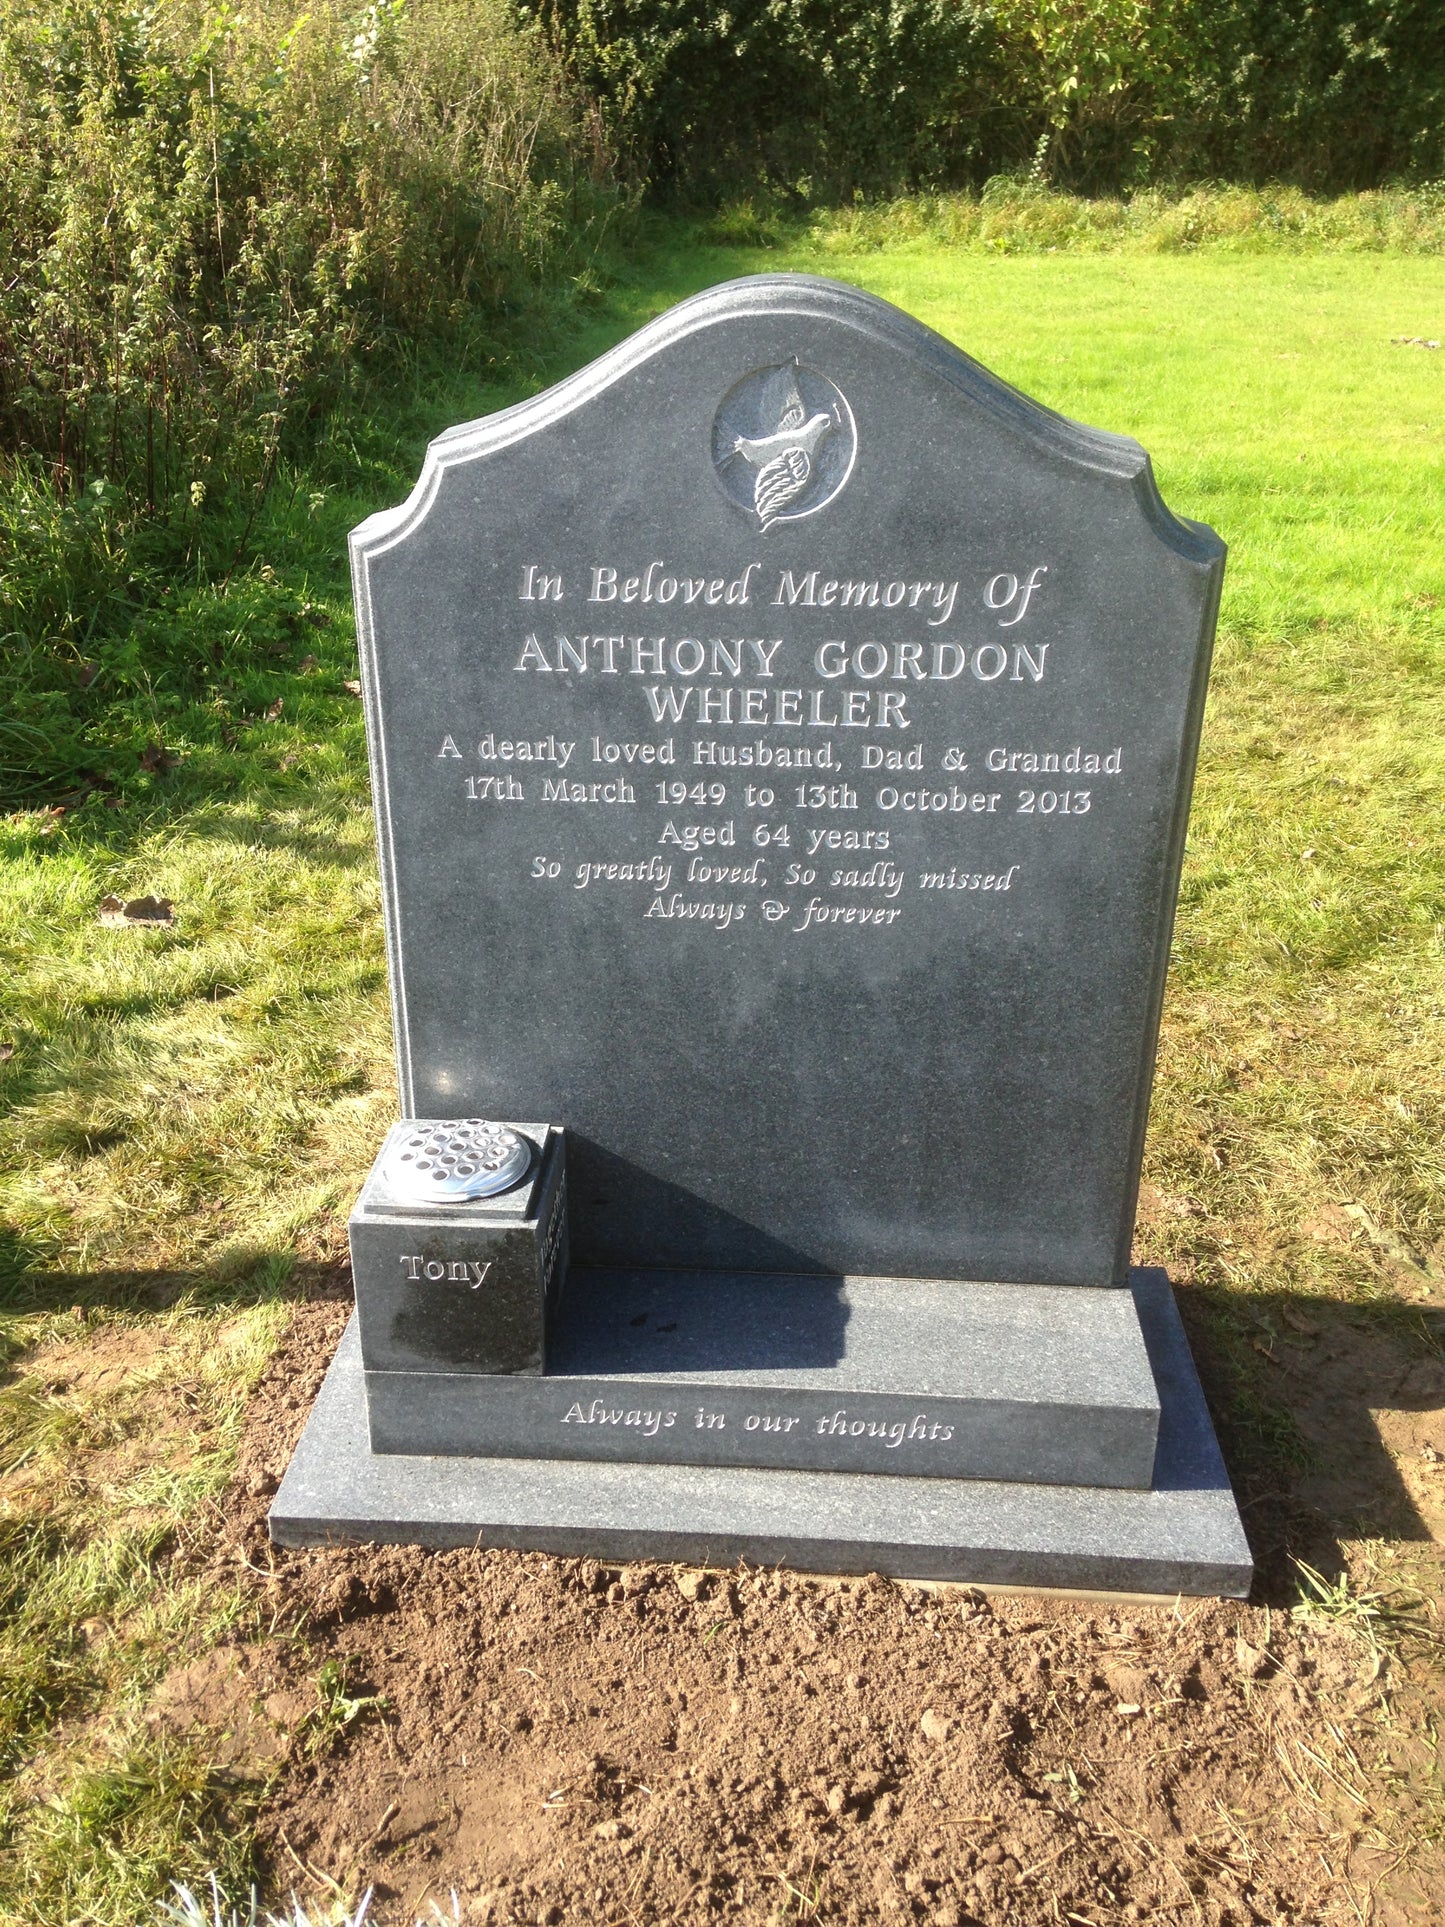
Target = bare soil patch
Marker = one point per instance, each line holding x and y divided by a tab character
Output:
556	1740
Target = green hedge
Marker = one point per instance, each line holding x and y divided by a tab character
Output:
813	96
822	98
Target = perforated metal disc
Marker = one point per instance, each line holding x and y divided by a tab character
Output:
457	1159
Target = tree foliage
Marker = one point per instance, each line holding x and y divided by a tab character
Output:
828	97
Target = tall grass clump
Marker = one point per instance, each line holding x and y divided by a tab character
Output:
212	225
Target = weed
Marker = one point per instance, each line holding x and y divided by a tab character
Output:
803	1902
1373	1614
336	1708
1014	216
1077	1790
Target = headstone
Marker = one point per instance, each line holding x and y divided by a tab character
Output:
782	735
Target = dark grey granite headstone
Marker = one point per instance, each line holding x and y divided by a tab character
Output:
782	735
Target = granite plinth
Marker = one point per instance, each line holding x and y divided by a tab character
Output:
1184	1535
461	1287
885	1375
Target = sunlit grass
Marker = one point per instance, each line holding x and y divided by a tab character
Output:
106	1841
187	1113
1025	217
118	1426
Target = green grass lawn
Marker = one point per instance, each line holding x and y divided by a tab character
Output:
186	1113
1268	389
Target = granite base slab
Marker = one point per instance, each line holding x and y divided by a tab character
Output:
1044	1383
1184	1535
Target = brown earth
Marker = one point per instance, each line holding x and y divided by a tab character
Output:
556	1741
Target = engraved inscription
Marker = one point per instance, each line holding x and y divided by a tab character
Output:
598	1412
471	1272
800	1421
719	782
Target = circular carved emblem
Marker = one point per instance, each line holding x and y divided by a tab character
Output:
460	1159
783	443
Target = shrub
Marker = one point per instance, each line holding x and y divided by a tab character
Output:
1326	94
831	97
208	222
203	218
815	98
